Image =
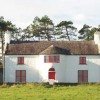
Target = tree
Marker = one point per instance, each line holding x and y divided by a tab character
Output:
46	27
16	34
41	28
36	31
91	33
84	32
27	33
33	29
4	26
87	32
67	29
2	30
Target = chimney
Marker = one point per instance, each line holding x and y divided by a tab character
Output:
7	38
97	39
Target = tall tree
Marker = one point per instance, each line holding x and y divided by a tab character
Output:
33	29
16	34
67	29
46	27
36	31
84	32
87	32
41	28
4	26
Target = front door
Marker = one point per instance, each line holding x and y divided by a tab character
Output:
51	74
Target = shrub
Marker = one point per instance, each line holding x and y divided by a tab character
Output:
4	85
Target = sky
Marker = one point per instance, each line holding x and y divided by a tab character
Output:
80	12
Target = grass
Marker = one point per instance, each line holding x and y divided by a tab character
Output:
35	91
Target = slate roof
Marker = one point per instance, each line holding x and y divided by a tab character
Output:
52	47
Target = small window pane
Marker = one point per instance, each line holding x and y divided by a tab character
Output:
57	59
23	73
45	59
17	79
17	73
51	58
23	79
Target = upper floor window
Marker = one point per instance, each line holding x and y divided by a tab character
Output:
51	59
20	60
82	60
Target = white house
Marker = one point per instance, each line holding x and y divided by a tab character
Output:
62	61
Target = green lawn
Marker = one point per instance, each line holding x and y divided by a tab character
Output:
48	92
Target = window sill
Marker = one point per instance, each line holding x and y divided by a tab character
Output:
82	64
52	62
20	64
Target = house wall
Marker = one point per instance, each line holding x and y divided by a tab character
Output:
92	65
66	70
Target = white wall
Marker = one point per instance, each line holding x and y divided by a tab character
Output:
66	70
34	66
92	65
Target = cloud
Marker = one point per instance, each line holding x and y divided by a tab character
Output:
79	17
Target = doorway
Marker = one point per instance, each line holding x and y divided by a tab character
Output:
52	73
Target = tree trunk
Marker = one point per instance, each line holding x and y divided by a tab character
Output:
67	34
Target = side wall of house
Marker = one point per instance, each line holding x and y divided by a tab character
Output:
66	70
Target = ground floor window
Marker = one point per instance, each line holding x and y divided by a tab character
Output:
20	76
82	76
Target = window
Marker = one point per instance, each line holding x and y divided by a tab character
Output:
20	60
82	60
82	76
20	76
51	59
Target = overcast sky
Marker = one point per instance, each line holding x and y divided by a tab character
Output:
80	12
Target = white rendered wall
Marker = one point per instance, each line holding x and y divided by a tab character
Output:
66	70
92	65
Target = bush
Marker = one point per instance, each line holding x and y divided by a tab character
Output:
4	85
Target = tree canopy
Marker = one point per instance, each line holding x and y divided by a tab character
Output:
87	32
44	28
68	28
